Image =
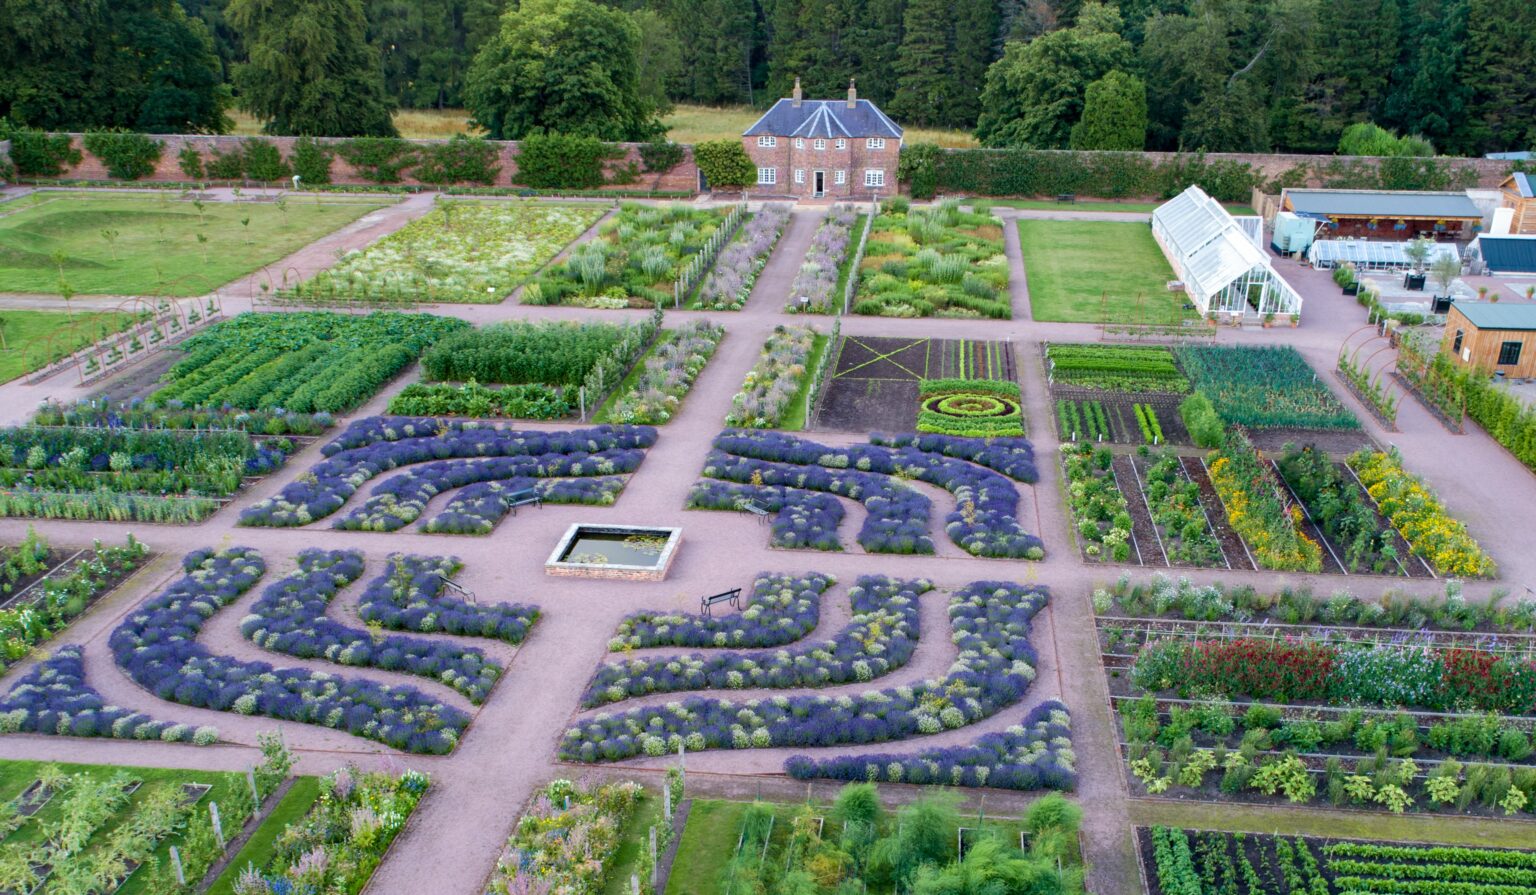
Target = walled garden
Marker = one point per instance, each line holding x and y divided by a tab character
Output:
462	251
1098	272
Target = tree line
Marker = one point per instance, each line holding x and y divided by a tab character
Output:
1388	76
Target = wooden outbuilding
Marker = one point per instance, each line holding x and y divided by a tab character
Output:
1492	338
1386	214
1519	191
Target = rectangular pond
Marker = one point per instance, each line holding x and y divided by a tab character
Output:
628	552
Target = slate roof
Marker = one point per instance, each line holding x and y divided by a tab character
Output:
824	118
1383	204
1487	315
1508	254
1523	184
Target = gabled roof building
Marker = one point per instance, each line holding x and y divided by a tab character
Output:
822	148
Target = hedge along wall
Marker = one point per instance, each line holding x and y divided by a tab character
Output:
683	177
1230	177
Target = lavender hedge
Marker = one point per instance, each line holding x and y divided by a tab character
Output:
1013	457
157	646
780	610
736	269
803	520
53	698
817	277
990	622
477	508
372	446
1034	755
400	500
667	374
290	618
983	522
879	639
409	597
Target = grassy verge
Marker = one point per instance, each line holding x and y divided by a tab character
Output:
845	269
34	339
259	848
1486	832
1070	265
1097	205
795	420
634	839
123	244
15	776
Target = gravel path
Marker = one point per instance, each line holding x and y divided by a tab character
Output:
509	749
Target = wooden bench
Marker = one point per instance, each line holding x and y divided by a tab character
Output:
466	593
756	509
733	597
523	498
1066	198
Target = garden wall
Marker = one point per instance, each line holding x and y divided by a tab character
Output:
682	178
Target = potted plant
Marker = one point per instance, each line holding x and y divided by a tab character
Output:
1417	251
1445	270
1269	319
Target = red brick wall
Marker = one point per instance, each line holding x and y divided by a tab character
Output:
854	159
683	178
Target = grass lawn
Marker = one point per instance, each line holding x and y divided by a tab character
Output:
714	827
1481	832
1095	205
628	382
148	245
413	124
35	338
1070	264
633	839
794	419
17	775
259	848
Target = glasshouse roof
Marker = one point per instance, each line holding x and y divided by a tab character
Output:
1221	267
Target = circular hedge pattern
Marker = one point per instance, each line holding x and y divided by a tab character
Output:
967	405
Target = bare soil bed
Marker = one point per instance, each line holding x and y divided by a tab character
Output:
874	381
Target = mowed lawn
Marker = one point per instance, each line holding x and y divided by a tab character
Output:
149	245
1070	265
35	338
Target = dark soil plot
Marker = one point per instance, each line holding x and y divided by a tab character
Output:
1179	548
1120	412
873	385
1143	530
1334	441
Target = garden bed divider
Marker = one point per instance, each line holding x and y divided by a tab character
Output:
690	278
819	376
852	285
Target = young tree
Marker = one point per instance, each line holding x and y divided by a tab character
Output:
1034	94
1114	114
562	66
310	69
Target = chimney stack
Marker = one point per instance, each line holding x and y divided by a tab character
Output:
797	95
853	95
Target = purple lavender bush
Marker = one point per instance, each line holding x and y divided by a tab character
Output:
817	277
983	522
774	381
780	610
1036	754
730	282
803	520
667	374
400	499
990	621
156	646
1013	457
476	509
53	698
897	518
879	639
290	618
409	596
373	446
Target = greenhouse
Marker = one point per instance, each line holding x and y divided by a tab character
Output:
1369	254
1223	269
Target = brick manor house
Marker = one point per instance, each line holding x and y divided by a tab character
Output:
824	148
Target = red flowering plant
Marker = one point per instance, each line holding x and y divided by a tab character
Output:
1259	668
1481	680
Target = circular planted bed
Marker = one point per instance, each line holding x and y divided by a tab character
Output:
972	408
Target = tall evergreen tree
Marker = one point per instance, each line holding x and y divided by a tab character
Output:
427	45
719	43
1114	114
1498	69
1427	95
136	64
976	25
562	66
925	86
310	69
1354	65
